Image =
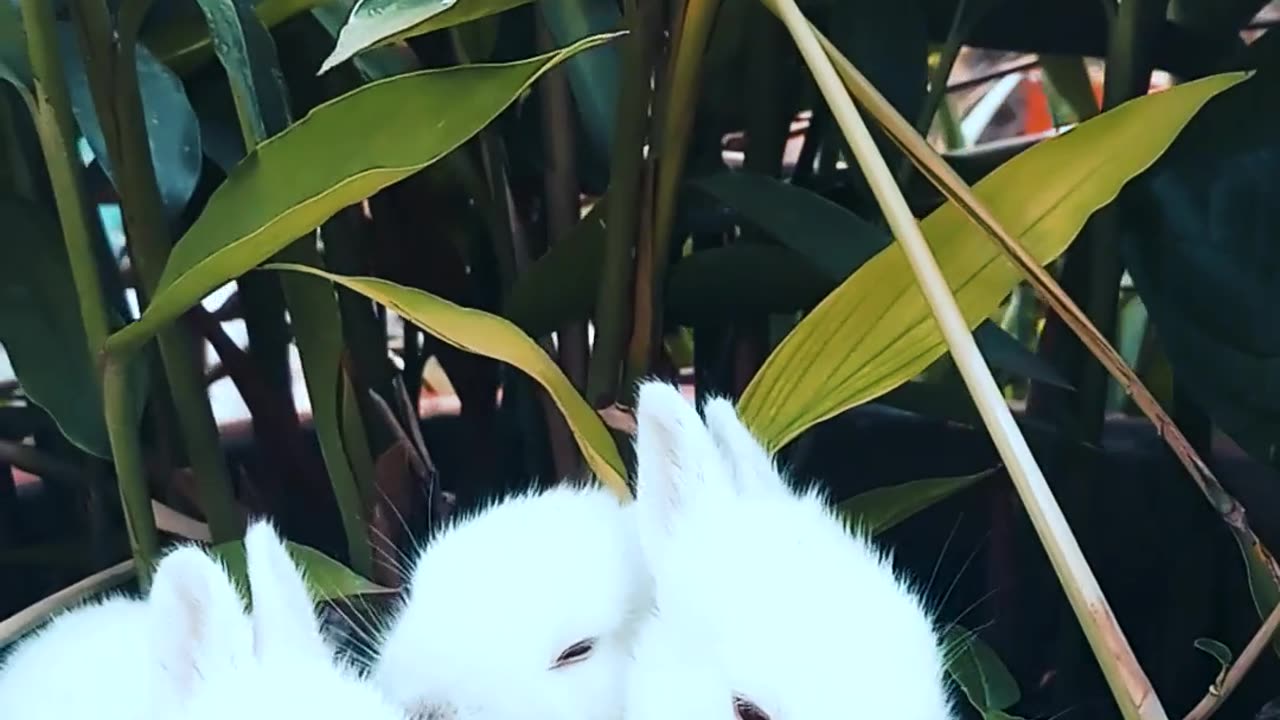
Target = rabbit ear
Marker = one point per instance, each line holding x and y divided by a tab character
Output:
283	610
750	466
676	459
198	618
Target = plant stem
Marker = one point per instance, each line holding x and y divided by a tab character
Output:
1092	268
131	477
560	184
623	214
768	125
675	113
57	140
938	84
1132	690
118	96
313	307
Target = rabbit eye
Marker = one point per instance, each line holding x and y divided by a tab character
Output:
576	652
744	709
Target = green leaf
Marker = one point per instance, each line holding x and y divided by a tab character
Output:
266	202
1217	650
592	78
178	36
1200	243
876	331
378	22
479	332
173	133
248	55
880	509
889	43
838	242
1263	586
540	300
41	328
15	65
1220	16
741	281
979	672
327	578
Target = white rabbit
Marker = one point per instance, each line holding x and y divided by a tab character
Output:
278	664
189	651
522	610
98	645
766	605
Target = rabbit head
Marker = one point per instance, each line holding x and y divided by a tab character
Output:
765	605
221	662
522	610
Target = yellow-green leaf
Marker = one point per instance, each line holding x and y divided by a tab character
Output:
332	158
875	331
486	334
378	22
327	578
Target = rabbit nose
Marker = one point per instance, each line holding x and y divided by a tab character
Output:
436	711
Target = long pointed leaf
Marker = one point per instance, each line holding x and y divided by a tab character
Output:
485	334
378	22
875	331
330	159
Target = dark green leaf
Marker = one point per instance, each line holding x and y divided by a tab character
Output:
880	509
177	35
979	672
740	281
838	242
889	43
267	202
1222	16
173	132
248	55
540	300
15	66
1200	244
593	78
41	329
1217	650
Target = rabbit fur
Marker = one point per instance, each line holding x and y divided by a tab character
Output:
765	604
189	650
524	609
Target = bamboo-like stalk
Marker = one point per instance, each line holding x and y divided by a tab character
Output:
1128	682
622	216
312	306
131	477
113	79
674	112
14	627
54	124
